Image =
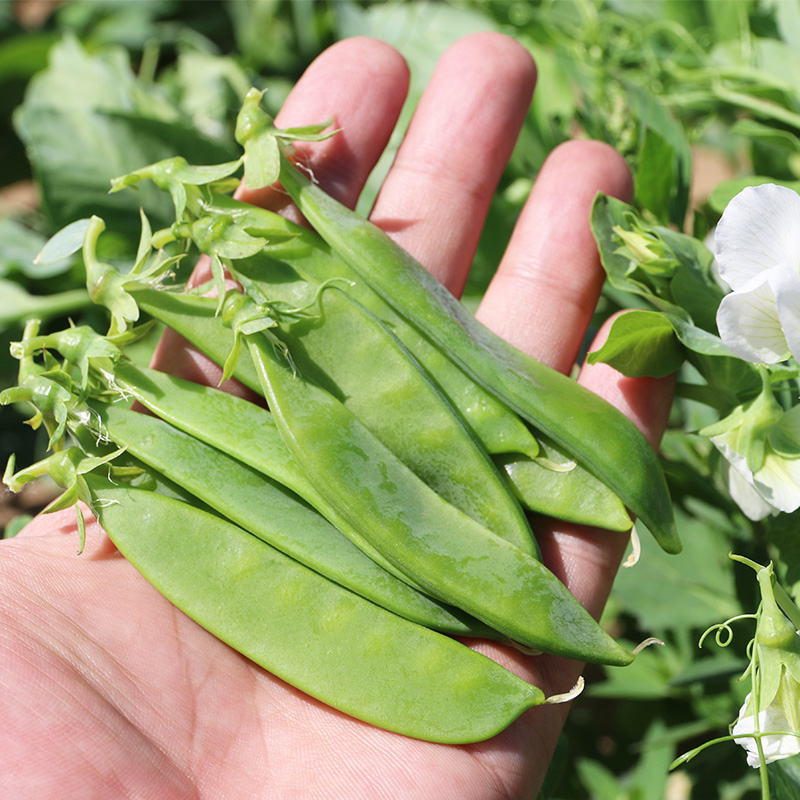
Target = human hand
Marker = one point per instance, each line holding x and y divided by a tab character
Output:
109	691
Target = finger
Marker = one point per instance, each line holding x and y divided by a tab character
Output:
546	288
584	558
435	198
362	84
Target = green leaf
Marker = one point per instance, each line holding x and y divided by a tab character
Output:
649	779
16	525
641	344
609	215
647	678
663	140
697	296
727	190
600	781
713	668
698	340
86	120
787	16
209	86
18	248
655	176
784	779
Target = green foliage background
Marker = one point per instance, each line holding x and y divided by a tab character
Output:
97	89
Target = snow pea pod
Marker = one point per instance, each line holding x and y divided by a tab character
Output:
500	430
588	428
273	514
567	492
342	347
248	434
447	553
324	640
574	495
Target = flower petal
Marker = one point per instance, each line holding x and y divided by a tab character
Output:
778	482
759	230
789	428
774	747
748	323
785	284
745	495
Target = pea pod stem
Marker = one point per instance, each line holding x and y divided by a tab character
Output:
587	427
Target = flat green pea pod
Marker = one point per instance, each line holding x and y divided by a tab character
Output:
273	514
289	268
440	548
339	345
499	430
309	631
248	434
564	491
573	495
585	426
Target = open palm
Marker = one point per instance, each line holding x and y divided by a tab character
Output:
108	691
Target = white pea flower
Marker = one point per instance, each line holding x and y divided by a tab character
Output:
761	446
775	746
775	672
768	723
757	248
741	488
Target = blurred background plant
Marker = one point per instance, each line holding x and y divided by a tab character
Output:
700	97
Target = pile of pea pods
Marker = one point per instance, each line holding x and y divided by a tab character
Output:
374	507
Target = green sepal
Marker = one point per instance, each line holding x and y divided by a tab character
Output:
174	174
77	345
220	235
66	242
49	395
244	317
105	283
261	140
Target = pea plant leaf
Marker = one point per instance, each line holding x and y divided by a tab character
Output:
671	270
87	119
694	591
784	779
19	245
624	261
641	344
644	343
725	191
656	177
